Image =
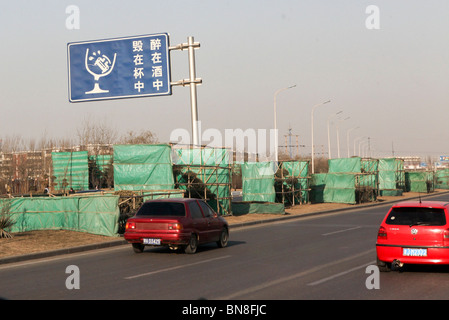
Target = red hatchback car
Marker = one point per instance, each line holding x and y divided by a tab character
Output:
414	233
177	223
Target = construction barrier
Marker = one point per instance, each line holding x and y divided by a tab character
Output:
71	170
258	181
143	167
419	181
204	172
91	214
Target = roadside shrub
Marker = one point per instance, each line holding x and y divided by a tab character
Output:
129	203
6	221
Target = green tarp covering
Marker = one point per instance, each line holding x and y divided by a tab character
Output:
391	176
241	208
442	179
91	214
209	173
71	170
103	161
340	188
350	180
143	167
419	181
348	188
317	185
298	170
258	181
345	165
370	166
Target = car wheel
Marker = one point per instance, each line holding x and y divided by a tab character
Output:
383	266
192	246
224	236
138	247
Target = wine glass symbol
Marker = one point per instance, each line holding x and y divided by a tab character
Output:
101	66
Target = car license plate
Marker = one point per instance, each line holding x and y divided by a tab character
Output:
414	252
151	241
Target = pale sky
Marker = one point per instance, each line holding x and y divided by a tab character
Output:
392	82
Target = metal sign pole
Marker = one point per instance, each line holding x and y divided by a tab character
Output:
192	81
193	100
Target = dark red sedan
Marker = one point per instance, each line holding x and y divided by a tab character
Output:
177	223
414	233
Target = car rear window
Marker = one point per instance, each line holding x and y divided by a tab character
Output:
416	216
167	209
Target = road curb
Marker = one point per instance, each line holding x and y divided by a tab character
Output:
47	254
121	241
309	214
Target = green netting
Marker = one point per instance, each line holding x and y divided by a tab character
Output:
71	170
143	167
258	181
317	185
391	175
387	174
345	165
359	184
152	195
369	178
342	188
297	180
205	173
419	181
241	208
370	165
442	179
96	214
103	161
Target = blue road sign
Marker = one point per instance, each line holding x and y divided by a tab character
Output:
127	67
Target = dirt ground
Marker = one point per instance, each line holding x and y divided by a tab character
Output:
47	240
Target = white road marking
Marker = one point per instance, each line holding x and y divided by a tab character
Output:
268	284
340	274
340	231
174	268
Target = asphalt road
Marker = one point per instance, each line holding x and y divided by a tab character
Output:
319	257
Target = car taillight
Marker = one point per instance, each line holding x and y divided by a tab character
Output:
174	226
130	225
446	235
382	233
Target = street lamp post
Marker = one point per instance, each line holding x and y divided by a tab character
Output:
313	147
356	140
275	121
338	136
347	137
328	133
361	143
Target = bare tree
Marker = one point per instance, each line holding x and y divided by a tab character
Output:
144	137
12	143
96	133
